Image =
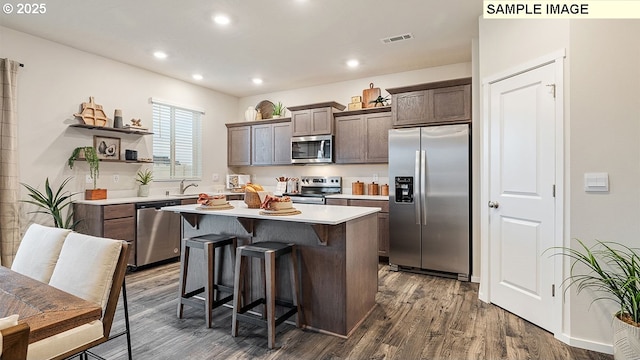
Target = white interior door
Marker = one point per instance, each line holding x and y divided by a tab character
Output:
521	193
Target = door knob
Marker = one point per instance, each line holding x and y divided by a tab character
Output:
493	204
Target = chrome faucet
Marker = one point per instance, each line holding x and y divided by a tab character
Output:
183	188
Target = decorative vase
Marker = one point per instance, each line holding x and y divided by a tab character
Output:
626	340
143	190
250	114
117	119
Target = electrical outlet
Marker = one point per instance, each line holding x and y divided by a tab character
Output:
116	178
88	179
375	177
215	177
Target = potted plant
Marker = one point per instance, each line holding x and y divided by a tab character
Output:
144	178
53	203
612	270
379	101
89	154
278	110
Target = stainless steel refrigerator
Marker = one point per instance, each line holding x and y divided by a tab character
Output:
429	200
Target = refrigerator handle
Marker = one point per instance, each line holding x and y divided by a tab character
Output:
423	185
416	178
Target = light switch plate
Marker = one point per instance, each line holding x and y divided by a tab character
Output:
88	179
596	182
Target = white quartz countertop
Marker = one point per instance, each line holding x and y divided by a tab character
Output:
358	197
313	214
137	199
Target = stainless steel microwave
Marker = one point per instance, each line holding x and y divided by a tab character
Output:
312	149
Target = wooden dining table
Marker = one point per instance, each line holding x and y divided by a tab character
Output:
47	310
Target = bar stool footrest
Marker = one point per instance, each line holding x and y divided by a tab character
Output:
251	305
193	293
222	301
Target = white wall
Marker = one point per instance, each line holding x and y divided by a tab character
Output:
342	92
54	82
605	134
601	132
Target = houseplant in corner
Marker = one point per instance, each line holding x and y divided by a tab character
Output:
91	156
53	203
144	178
612	270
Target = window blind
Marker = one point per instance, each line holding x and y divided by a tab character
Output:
177	148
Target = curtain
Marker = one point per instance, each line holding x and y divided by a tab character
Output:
9	182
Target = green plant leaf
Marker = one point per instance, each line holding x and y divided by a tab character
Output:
48	203
608	268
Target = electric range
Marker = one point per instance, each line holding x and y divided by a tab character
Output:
313	189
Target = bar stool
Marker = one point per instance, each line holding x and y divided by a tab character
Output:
208	243
268	252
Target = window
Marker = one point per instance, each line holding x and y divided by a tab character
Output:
177	146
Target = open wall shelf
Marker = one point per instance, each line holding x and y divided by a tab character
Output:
118	130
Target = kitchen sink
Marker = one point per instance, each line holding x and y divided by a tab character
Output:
183	196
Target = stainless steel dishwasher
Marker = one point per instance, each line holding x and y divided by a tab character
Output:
157	232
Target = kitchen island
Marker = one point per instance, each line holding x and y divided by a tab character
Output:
337	257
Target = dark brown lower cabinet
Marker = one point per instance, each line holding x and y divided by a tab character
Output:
383	219
110	221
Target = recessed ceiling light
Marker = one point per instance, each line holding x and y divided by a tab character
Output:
221	19
160	55
353	63
197	77
257	81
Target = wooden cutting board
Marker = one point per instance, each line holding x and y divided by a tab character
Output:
369	95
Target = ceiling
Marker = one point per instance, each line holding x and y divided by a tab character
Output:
288	43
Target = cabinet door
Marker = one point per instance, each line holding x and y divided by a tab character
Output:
349	144
383	234
409	108
321	121
282	143
300	123
261	144
377	137
450	104
239	146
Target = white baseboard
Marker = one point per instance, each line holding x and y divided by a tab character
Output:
475	279
585	344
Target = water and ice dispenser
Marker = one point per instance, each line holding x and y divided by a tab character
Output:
404	189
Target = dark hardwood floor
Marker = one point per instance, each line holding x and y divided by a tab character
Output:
416	317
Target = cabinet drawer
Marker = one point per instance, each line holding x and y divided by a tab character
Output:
343	202
118	211
384	205
120	229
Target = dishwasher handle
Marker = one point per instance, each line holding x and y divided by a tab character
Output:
156	204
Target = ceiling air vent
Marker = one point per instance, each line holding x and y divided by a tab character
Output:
392	39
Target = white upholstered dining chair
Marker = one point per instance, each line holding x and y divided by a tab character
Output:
38	252
14	339
91	268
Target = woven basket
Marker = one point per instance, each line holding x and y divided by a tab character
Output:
252	199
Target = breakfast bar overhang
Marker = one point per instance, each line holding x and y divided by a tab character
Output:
337	249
